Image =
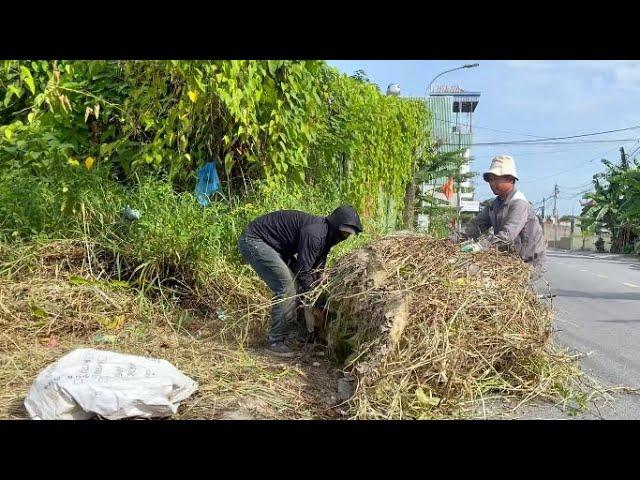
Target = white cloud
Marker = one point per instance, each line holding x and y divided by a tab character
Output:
606	74
565	88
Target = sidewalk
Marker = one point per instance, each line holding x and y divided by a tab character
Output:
592	254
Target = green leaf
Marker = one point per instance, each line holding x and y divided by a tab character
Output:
271	65
24	72
200	85
228	163
73	280
25	76
37	312
30	85
602	212
424	400
119	284
101	338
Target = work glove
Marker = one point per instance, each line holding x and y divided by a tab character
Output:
313	316
471	247
457	236
485	242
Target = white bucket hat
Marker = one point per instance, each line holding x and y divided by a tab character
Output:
502	165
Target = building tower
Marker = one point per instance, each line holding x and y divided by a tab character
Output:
452	116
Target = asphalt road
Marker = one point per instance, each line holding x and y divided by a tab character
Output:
597	308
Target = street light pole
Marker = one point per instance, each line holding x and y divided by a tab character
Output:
555	214
471	65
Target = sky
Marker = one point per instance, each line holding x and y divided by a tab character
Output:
527	98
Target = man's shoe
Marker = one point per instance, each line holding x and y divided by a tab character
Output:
306	338
280	349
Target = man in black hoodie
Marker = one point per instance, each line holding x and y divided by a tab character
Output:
290	245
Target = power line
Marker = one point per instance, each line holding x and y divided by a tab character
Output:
534	143
592	134
540	138
543	137
491	129
569	197
528	154
571	169
577	187
629	155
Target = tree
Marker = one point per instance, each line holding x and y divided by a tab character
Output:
615	202
362	77
433	166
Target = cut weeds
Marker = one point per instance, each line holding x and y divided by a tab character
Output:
430	332
427	332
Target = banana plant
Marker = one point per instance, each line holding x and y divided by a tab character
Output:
614	203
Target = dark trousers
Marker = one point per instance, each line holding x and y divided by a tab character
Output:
272	269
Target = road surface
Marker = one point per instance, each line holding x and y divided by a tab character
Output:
597	308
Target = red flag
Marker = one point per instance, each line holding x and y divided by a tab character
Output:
447	189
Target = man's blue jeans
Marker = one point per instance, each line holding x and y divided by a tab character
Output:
272	269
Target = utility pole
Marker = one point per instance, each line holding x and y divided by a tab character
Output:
555	214
543	219
624	163
458	189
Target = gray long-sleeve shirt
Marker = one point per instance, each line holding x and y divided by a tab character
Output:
515	224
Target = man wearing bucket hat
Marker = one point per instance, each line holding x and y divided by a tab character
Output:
288	246
512	217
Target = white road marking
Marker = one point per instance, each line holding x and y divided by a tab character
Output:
583	270
630	285
602	276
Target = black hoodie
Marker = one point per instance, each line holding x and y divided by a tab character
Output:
293	233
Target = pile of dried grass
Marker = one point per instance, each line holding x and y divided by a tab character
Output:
429	331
